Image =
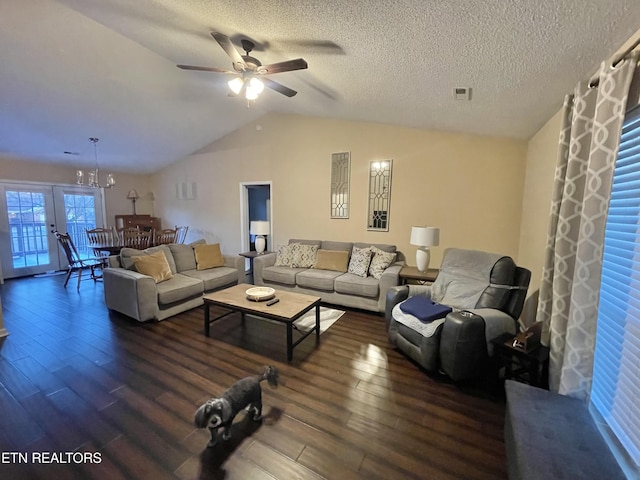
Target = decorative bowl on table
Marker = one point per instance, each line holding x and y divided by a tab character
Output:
260	294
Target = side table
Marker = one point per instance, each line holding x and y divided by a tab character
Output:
523	366
251	255
409	274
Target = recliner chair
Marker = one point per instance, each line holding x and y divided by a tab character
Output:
486	292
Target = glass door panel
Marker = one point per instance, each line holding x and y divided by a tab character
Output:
80	208
26	247
28	215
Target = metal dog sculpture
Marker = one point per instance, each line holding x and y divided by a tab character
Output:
218	413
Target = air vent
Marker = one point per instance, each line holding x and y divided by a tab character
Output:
462	93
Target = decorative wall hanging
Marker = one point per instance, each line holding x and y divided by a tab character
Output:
379	195
340	173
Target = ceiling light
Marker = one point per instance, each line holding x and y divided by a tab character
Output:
236	85
92	175
252	86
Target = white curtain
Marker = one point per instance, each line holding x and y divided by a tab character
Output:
569	292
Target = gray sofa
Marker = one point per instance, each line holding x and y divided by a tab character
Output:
140	297
334	287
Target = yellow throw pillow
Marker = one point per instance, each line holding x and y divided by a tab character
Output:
336	260
155	265
209	256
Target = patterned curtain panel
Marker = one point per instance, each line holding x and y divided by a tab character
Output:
569	292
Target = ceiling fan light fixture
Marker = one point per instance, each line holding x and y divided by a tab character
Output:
256	85
236	85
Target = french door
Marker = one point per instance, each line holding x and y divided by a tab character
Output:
29	213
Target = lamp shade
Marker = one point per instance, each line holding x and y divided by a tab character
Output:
425	236
132	195
259	227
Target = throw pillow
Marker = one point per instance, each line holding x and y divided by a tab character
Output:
336	260
304	255
284	256
359	263
155	265
380	262
208	256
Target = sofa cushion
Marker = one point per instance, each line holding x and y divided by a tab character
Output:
335	260
154	265
184	256
342	246
304	255
127	254
284	256
178	288
214	278
283	275
380	261
385	247
359	262
208	256
317	279
351	284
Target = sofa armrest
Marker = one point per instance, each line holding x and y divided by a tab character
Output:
389	278
130	293
261	262
395	295
114	261
237	262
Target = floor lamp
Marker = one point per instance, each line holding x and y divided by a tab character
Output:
424	237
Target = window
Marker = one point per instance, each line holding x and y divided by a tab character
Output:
616	374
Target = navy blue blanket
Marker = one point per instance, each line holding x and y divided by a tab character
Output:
424	309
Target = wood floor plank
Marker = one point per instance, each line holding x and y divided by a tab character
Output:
76	377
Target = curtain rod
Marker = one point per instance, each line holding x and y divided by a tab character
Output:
595	80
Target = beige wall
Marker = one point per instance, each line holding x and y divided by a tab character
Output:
470	186
115	199
542	156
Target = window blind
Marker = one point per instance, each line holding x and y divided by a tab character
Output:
615	394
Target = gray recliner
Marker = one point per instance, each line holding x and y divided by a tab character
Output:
486	292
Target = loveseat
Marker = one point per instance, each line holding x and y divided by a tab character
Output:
355	275
175	279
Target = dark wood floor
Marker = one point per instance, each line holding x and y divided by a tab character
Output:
74	377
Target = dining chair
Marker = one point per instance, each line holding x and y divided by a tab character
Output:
76	263
181	234
102	237
134	238
167	235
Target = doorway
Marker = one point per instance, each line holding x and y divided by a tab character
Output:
255	204
28	215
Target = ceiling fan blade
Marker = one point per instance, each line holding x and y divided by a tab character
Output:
289	65
206	69
230	50
278	87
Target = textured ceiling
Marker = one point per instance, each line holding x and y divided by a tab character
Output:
73	69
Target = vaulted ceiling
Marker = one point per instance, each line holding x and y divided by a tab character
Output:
74	69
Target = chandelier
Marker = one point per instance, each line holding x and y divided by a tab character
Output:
92	175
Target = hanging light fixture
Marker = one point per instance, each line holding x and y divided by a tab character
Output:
252	87
92	175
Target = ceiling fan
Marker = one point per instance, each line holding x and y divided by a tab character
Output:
250	74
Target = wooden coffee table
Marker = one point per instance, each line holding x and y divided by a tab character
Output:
290	308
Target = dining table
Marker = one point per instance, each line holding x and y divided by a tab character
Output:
110	248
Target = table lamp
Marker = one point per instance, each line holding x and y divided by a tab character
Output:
424	237
259	228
